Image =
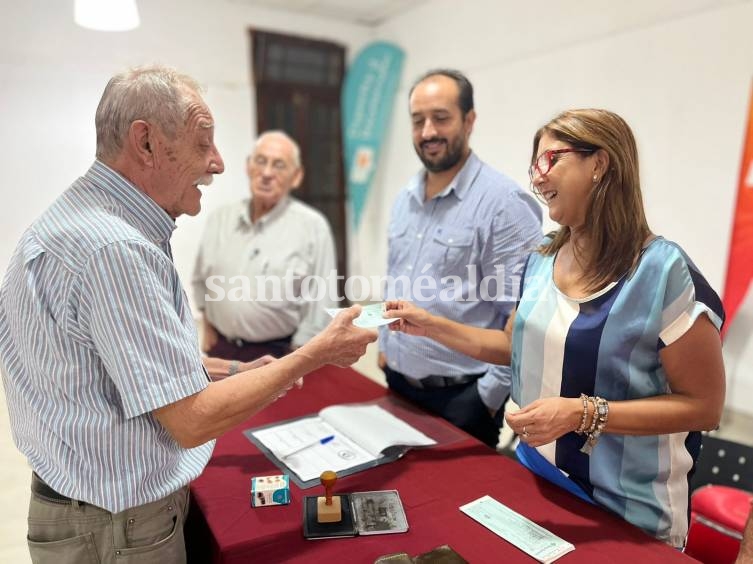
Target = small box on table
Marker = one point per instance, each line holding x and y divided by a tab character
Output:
270	490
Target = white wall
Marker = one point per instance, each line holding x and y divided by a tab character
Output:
53	73
679	71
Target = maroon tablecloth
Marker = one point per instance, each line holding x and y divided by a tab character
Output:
432	483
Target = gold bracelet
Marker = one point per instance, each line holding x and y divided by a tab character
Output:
595	416
582	427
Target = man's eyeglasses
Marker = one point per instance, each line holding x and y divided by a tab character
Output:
546	160
278	165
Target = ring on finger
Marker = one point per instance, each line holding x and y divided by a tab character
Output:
525	433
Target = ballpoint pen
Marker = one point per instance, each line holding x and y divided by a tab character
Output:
322	441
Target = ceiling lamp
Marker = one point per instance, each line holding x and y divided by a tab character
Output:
106	15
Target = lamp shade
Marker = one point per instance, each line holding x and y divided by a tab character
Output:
106	15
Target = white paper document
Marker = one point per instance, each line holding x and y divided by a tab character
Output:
361	434
371	316
523	533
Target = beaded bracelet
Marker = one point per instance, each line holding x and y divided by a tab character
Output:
603	418
582	427
601	415
594	417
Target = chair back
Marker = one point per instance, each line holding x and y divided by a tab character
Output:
724	463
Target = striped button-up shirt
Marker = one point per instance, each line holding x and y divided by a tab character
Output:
95	334
462	252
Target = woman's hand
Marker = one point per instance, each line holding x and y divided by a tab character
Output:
487	345
412	319
546	420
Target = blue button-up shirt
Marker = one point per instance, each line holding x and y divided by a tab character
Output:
459	255
96	333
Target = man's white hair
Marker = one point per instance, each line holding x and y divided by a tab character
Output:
157	94
281	134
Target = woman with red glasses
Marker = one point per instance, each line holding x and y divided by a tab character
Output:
614	345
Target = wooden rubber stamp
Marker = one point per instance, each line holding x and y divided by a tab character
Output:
328	507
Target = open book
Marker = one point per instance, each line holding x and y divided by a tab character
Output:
343	438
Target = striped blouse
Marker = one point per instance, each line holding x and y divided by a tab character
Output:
96	333
608	345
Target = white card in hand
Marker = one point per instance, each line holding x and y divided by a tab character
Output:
371	316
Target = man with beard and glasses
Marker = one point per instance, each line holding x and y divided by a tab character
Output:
468	228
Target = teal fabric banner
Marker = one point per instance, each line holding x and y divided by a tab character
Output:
367	99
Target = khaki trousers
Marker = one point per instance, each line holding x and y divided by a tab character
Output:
77	533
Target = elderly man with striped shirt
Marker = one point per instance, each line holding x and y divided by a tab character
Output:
107	393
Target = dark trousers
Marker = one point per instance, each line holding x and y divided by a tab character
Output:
460	404
245	351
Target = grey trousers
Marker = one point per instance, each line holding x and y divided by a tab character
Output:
77	533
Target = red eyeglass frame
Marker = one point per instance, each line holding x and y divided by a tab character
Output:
550	153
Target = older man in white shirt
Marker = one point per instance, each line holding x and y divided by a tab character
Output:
255	256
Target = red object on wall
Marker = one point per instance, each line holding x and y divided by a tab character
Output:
740	262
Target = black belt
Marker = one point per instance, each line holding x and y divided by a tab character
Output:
240	343
39	487
428	382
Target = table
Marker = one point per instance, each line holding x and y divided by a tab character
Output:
433	483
